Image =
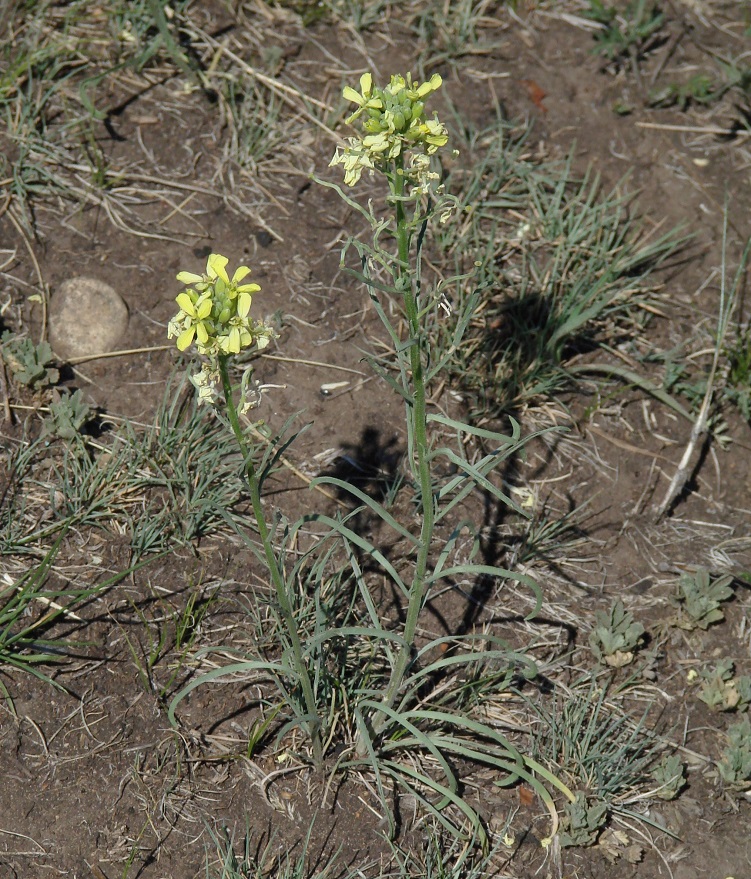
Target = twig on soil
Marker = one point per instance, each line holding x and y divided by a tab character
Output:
698	432
695	129
4	391
74	361
299	360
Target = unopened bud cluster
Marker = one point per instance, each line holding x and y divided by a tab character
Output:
393	120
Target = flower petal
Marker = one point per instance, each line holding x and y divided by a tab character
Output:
189	278
203	309
349	94
244	301
202	333
216	267
240	273
185	302
185	338
248	288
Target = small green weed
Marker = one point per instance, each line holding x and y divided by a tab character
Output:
670	776
700	597
449	31
171	634
29	363
616	636
583	821
68	417
699	89
738	383
734	765
722	691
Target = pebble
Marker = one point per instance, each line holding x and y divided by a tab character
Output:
86	316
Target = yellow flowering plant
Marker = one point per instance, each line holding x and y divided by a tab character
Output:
214	317
393	121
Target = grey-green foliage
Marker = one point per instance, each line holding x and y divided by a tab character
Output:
734	765
29	363
700	596
670	776
594	745
68	416
722	691
583	820
616	635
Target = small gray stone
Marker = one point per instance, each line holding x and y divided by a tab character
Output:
86	317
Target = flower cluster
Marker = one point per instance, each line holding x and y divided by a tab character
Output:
393	121
215	316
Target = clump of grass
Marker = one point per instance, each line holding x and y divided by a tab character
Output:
450	31
601	753
171	483
562	270
31	611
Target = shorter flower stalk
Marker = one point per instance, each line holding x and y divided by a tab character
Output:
215	316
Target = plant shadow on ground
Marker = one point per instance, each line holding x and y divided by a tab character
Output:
138	139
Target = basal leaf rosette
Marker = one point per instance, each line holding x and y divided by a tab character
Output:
215	316
392	122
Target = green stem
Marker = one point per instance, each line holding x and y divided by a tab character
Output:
254	486
417	413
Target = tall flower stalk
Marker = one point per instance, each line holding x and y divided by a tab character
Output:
394	126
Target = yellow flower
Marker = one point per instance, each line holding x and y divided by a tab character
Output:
193	317
364	99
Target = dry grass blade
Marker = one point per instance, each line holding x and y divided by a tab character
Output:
728	300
